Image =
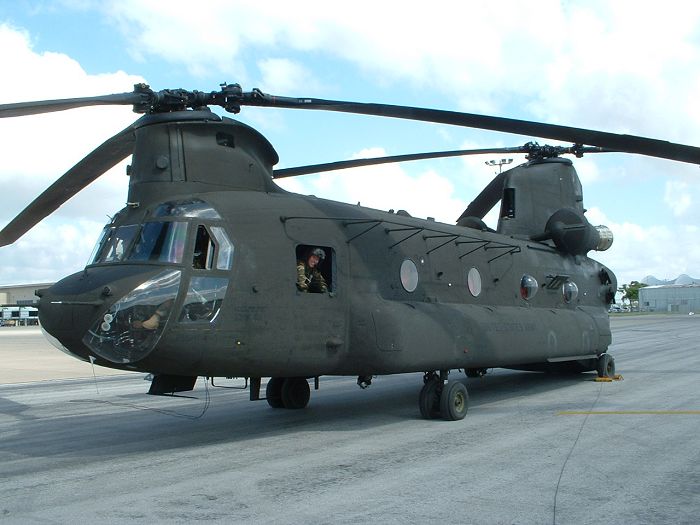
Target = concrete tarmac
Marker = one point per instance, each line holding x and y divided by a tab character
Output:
533	449
26	355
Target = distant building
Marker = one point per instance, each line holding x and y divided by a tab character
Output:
676	298
20	294
18	304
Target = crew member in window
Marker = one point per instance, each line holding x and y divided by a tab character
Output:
309	278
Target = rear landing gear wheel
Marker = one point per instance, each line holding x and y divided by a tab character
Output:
454	401
295	392
273	392
429	399
606	366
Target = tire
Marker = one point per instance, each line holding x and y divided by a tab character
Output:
273	392
295	393
429	400
454	401
606	366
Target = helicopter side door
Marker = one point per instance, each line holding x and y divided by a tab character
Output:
321	299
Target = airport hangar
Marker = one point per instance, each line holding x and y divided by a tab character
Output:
18	304
674	298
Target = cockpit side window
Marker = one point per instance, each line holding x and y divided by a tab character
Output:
203	300
97	250
224	253
212	249
203	250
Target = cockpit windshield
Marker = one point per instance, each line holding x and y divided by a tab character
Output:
160	241
152	241
114	243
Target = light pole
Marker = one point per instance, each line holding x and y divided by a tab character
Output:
498	163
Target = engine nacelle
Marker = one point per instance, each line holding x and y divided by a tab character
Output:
606	238
573	234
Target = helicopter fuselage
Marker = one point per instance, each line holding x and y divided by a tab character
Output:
212	243
372	321
203	274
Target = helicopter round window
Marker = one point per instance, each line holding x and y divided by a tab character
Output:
570	291
409	275
474	281
528	287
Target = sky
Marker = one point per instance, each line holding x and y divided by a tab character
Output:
624	67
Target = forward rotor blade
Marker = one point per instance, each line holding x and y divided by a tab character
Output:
344	164
104	157
20	109
614	141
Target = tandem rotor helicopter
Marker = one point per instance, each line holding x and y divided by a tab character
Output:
202	273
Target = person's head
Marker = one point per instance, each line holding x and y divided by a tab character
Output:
315	256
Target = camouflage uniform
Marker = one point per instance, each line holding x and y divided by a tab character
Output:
310	279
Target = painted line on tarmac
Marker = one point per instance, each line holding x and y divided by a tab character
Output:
629	412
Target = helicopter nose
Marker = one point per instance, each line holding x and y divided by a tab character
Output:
92	313
63	318
131	327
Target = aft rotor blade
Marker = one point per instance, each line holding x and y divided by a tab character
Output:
493	192
355	163
614	141
20	109
104	157
487	199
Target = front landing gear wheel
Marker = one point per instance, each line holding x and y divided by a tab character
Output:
295	392
273	392
454	401
429	399
606	366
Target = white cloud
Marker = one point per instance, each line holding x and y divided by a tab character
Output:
44	146
385	187
39	149
585	63
284	76
49	251
677	196
638	251
587	170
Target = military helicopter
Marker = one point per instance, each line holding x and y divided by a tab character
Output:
199	274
